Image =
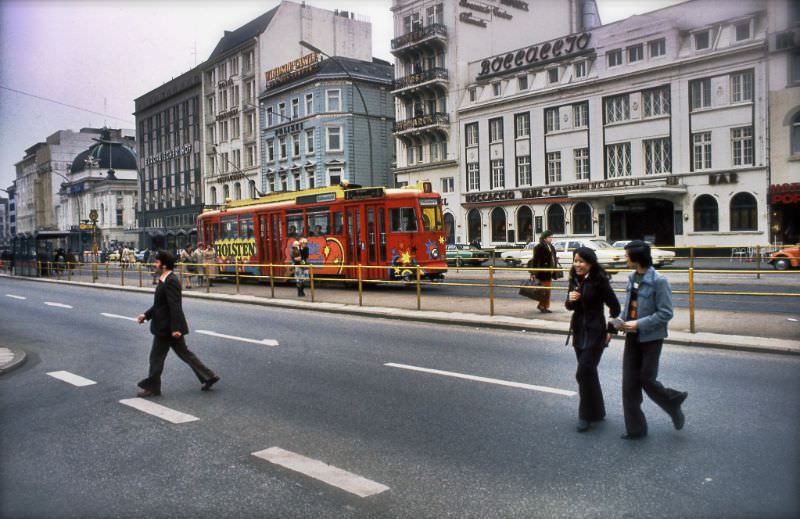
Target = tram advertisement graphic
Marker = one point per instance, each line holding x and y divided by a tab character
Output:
235	250
321	251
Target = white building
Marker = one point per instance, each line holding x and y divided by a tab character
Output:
654	127
233	77
434	41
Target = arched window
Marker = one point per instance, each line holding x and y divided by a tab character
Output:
213	196
743	212
796	134
555	219
237	191
582	218
498	224
706	214
226	192
449	228
524	224
252	189
474	225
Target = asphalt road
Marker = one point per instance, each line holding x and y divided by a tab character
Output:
444	446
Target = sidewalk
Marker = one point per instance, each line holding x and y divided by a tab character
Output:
721	329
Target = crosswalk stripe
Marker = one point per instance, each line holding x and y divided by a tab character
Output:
165	413
58	305
71	378
496	381
353	483
116	316
262	342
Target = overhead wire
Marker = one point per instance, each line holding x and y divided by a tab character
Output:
22	92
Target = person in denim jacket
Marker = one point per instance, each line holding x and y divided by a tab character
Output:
645	315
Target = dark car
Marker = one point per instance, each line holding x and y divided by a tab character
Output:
461	254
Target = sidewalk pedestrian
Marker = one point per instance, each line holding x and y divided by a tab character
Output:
544	257
185	258
209	263
299	257
589	290
169	328
647	311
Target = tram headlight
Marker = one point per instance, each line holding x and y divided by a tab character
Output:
435	253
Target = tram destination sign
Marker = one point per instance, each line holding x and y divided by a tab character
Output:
536	55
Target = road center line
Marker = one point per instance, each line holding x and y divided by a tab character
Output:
519	385
353	483
57	305
262	342
71	378
12	296
115	316
165	413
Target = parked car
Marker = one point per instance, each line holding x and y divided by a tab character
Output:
459	254
786	258
661	257
607	256
515	258
140	255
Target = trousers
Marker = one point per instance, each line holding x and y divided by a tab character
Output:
158	354
545	303
592	407
640	372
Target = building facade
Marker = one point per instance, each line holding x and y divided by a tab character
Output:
5	226
233	79
433	42
783	40
318	130
169	140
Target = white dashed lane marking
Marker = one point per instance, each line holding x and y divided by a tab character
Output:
353	483
115	316
262	342
165	413
71	378
507	383
57	305
12	296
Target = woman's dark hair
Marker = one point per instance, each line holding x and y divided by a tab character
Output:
166	258
596	270
639	252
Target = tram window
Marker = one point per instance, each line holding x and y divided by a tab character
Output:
210	232
337	223
403	219
246	227
432	218
228	228
294	226
318	224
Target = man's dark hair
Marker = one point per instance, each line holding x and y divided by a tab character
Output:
639	252
166	258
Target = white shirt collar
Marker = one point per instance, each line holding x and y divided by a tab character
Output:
163	277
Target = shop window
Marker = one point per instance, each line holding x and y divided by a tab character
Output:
743	212
555	219
474	225
582	218
706	214
525	224
796	134
498	224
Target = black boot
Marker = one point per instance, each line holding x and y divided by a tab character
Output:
300	292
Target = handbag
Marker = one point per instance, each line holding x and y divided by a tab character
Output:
532	289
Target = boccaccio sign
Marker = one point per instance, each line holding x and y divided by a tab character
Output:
538	54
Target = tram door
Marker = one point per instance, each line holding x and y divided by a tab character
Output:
263	243
356	244
275	238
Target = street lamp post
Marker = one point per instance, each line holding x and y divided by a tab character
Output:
312	48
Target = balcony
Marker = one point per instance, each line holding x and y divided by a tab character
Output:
420	79
435	122
434	34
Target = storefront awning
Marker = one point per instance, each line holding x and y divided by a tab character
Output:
637	191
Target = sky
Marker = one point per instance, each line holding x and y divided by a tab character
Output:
97	56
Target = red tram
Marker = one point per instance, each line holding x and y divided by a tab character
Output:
398	229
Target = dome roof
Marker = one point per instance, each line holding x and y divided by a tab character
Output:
105	154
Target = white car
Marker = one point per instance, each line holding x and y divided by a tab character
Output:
607	256
661	257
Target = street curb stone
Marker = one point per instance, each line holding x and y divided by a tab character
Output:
700	339
17	358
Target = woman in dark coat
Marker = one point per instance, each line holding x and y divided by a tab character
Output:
589	290
545	257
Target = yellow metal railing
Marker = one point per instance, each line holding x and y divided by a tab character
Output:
207	273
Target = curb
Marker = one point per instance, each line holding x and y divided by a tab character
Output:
18	360
701	339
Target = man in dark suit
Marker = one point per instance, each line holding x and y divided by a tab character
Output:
168	326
